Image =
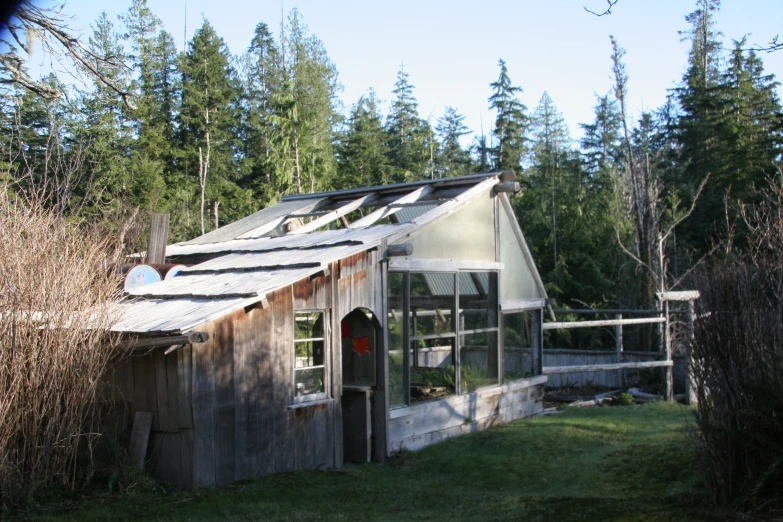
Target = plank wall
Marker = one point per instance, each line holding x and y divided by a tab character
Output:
422	424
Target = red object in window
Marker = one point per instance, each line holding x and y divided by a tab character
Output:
362	345
346	328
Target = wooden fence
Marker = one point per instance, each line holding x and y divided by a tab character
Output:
610	368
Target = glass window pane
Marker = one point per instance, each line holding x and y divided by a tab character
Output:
432	303
517	346
478	300
309	353
432	371
309	381
308	325
478	360
395	319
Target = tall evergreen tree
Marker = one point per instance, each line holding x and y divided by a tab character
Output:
453	160
307	106
408	136
109	129
511	123
262	78
752	123
700	121
362	151
208	124
601	139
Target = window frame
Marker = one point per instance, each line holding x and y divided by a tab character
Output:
320	396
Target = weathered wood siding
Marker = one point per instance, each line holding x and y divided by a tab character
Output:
222	409
151	382
243	393
426	423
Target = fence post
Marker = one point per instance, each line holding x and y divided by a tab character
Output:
667	347
690	389
618	342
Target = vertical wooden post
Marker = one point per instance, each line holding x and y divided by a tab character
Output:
618	342
159	236
538	341
690	389
458	327
669	385
381	395
406	336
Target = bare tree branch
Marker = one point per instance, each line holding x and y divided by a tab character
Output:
690	210
631	254
48	28
608	11
693	267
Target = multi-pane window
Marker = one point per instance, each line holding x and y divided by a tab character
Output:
518	345
448	322
309	345
396	297
433	335
478	340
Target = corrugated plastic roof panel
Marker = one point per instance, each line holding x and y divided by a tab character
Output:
249	223
408	214
172	315
291	241
277	259
224	284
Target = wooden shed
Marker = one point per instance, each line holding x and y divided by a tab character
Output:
341	326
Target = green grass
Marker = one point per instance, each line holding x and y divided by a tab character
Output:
630	463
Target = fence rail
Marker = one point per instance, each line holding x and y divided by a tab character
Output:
605	367
607	322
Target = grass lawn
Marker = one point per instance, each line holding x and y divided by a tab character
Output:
604	464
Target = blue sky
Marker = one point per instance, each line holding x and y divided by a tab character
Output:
451	49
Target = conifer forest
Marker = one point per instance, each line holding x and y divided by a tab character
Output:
210	137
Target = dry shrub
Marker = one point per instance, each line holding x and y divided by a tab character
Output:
738	365
55	299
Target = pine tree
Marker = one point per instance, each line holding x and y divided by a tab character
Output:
262	79
408	136
307	103
601	139
566	215
511	123
752	124
109	129
550	143
453	159
362	150
208	124
700	122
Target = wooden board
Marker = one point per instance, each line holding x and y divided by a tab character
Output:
263	359
283	393
245	361
185	386
166	421
225	458
203	374
140	436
